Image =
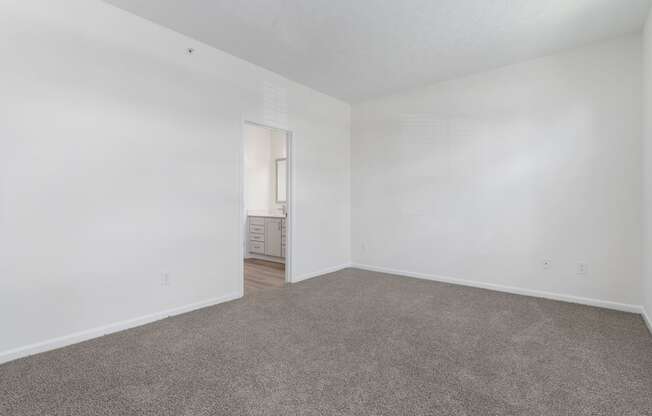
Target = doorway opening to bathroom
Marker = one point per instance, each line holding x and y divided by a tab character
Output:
266	208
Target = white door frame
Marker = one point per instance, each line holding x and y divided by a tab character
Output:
289	221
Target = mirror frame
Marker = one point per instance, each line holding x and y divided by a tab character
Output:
278	201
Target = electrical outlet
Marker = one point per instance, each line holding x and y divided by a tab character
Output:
165	279
582	268
546	264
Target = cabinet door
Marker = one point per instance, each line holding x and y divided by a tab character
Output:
273	238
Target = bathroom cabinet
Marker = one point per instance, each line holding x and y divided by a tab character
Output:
267	236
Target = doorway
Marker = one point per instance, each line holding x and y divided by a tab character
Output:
266	208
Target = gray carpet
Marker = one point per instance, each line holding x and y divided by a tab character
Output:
352	343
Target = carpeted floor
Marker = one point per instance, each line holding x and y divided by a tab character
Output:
352	343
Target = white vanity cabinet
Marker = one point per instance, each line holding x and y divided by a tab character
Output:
267	237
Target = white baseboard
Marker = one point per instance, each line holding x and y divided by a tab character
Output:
59	342
647	319
321	272
624	307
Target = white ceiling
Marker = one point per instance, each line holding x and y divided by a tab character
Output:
359	49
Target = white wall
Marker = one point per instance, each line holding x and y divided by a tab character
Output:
263	147
258	191
481	178
647	174
120	160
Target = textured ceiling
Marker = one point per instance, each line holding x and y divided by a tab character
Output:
359	49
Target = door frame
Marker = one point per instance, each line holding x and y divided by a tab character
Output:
289	218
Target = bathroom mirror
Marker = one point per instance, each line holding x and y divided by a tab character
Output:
281	180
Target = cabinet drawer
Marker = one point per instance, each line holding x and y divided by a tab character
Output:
256	221
258	229
256	237
257	247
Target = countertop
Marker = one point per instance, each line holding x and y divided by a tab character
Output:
269	214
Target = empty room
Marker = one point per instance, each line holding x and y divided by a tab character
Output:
310	207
